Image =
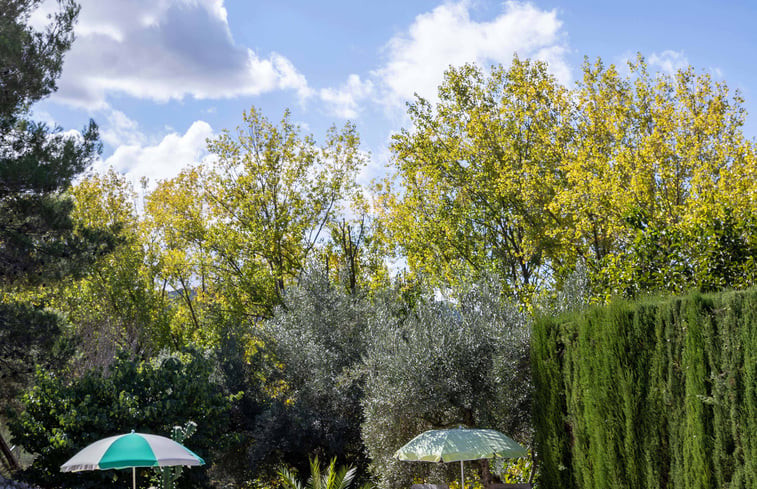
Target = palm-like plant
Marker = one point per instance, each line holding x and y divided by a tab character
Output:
332	478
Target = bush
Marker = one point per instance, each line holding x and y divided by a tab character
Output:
653	394
60	418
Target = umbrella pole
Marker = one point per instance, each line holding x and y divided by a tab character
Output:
134	477
462	476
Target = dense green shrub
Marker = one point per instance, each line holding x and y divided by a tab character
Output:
62	417
653	394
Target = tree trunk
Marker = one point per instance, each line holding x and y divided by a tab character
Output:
486	475
7	456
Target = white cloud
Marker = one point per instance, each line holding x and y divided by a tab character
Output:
448	36
163	160
669	61
343	101
120	129
163	50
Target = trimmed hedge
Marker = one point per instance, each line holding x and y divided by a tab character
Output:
654	394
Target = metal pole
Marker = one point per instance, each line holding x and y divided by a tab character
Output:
134	477
462	476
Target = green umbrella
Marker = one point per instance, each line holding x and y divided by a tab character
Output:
131	451
459	444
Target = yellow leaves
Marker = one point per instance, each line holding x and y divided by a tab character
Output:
478	172
515	172
104	200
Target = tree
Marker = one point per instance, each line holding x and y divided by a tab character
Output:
121	301
439	365
30	61
272	193
178	220
39	243
477	173
657	161
640	178
355	253
317	339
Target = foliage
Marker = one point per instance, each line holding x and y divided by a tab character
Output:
39	242
641	179
37	239
61	417
515	471
28	337
178	222
332	478
355	252
317	338
477	173
443	364
657	163
30	61
648	394
121	302
271	194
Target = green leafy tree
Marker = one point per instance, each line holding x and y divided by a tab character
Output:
121	302
272	193
179	221
317	338
355	252
477	172
30	61
657	162
639	179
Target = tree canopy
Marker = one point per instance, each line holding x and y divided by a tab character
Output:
272	194
39	242
634	176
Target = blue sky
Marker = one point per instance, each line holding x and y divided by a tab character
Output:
161	76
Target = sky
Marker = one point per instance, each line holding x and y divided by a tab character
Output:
160	77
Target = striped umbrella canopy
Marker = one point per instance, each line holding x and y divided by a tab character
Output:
459	444
130	451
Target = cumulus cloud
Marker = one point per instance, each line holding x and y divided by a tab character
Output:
668	61
417	58
163	50
120	129
162	160
344	101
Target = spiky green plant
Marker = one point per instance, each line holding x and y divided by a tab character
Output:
332	477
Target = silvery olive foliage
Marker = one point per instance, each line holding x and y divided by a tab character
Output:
463	360
318	337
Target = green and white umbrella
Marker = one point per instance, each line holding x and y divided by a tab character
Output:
459	444
131	451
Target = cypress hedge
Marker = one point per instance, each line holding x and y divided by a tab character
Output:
652	394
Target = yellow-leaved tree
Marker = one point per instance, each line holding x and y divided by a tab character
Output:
271	195
476	174
640	181
655	182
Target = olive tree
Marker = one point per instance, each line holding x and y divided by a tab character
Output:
317	338
443	363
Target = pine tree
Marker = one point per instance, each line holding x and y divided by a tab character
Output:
38	240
